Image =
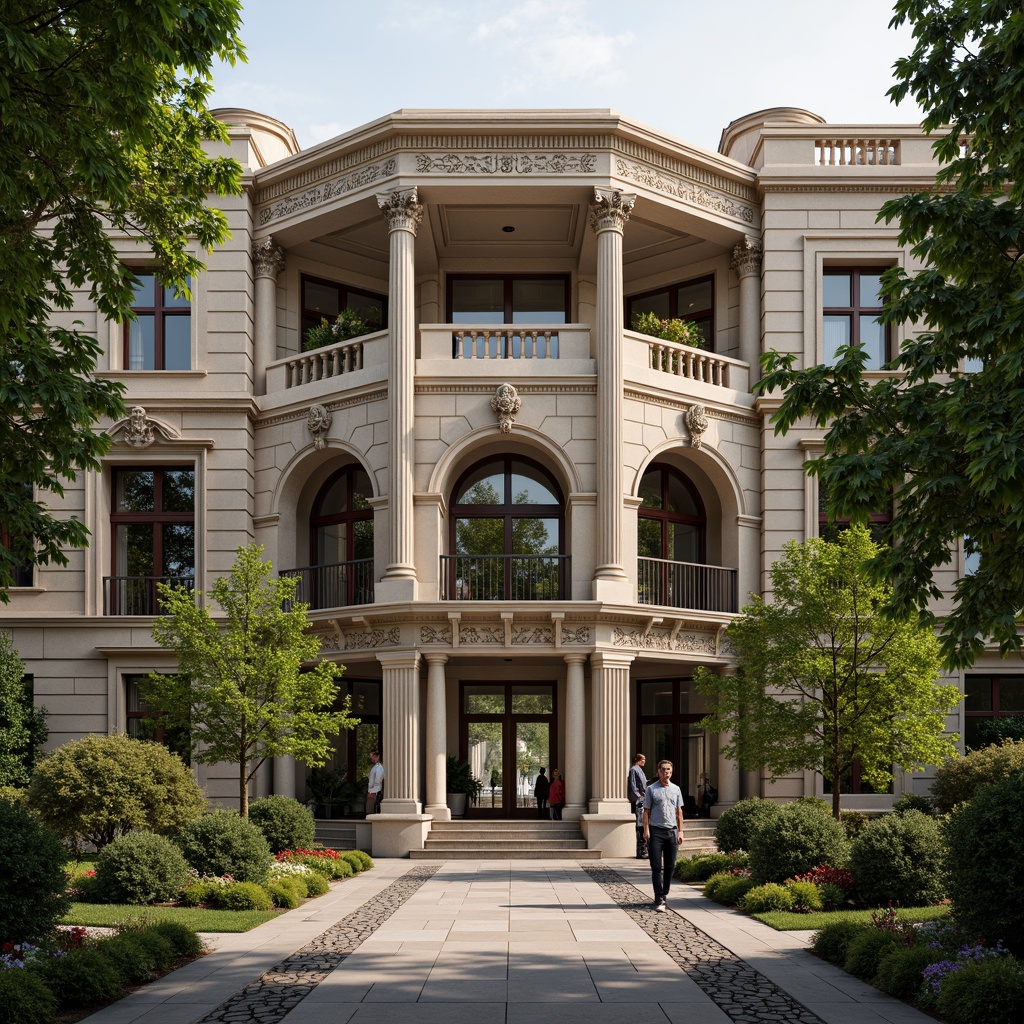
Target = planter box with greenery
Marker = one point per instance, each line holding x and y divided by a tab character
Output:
462	786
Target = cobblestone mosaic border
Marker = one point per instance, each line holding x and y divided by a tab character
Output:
747	996
268	999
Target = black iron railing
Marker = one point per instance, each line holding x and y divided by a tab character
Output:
138	595
505	577
709	588
334	586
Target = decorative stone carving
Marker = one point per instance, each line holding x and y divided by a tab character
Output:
402	208
696	423
506	403
507	163
318	422
746	257
660	640
481	635
373	638
322	193
138	431
610	209
434	635
267	258
575	636
682	189
533	635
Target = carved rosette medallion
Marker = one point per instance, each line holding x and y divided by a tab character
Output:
318	422
610	209
696	423
746	257
402	208
506	403
138	431
267	258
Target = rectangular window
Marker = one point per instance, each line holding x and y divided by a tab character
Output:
986	698
142	724
852	304
324	300
153	525
21	570
160	336
540	299
691	300
830	531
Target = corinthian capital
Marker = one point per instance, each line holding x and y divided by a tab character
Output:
267	257
746	256
402	208
610	209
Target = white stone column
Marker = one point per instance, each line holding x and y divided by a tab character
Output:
268	262
437	745
403	211
400	695
746	261
608	215
609	684
284	777
575	758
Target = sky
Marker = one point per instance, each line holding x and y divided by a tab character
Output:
684	67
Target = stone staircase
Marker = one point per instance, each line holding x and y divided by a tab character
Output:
338	834
505	840
698	836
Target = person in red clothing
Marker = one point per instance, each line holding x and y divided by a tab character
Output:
556	797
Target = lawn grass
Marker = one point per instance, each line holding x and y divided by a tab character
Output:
787	920
109	914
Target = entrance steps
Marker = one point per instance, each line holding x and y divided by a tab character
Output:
698	837
481	839
336	834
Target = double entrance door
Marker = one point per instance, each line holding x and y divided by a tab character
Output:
507	734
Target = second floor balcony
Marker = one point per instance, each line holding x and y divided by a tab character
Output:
138	595
709	588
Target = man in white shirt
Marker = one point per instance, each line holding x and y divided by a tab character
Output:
375	786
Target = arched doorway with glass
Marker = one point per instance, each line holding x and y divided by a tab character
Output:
507	534
666	728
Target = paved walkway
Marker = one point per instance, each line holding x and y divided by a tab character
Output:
508	942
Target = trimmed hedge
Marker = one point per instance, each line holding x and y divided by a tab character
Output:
958	779
989	990
736	826
284	822
701	867
832	941
899	858
793	840
25	999
225	843
140	867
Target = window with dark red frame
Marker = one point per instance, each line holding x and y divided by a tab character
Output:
341	541
988	697
692	300
324	300
160	336
142	724
830	531
852	304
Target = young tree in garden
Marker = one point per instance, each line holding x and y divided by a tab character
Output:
944	440
240	686
102	116
826	682
22	726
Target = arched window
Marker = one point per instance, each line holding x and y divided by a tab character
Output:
507	529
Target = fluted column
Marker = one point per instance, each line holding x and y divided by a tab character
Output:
746	261
608	215
437	745
284	777
403	211
268	262
609	685
574	762
400	694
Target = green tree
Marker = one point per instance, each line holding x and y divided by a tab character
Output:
22	726
240	685
102	115
944	445
826	681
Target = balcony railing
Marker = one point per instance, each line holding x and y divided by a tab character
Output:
504	343
138	595
334	586
856	152
505	577
689	362
708	588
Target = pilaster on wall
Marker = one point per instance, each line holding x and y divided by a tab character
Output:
610	732
267	262
746	261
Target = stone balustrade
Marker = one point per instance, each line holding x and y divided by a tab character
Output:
856	152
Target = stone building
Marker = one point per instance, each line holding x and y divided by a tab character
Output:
519	523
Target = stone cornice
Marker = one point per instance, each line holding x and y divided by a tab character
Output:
300	412
684	402
524	387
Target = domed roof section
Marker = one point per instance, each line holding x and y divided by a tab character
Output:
739	137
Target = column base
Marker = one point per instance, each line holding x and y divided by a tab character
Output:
395	588
394	835
616	808
613	834
613	589
439	812
573	812
394	805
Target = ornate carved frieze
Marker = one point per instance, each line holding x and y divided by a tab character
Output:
663	640
506	163
696	423
580	635
267	258
329	641
610	209
356	179
746	257
373	638
506	403
481	634
689	191
402	208
318	422
533	635
435	635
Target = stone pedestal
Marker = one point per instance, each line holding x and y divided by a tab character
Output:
394	835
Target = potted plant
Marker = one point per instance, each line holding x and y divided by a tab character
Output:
682	332
325	784
462	786
349	324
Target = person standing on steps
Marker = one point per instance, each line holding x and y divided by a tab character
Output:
541	791
663	828
375	784
636	784
556	796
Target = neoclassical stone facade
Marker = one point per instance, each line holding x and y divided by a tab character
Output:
520	523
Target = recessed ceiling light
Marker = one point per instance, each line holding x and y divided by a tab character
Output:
508	229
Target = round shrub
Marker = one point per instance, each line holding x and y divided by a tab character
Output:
242	896
899	858
197	893
353	861
316	884
284	822
704	865
82	977
865	952
957	779
900	972
24	999
806	896
989	990
913	802
140	867
737	825
95	789
286	892
225	843
770	896
794	840
985	863
130	959
182	939
832	941
158	948
364	857
728	889
32	882
342	868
